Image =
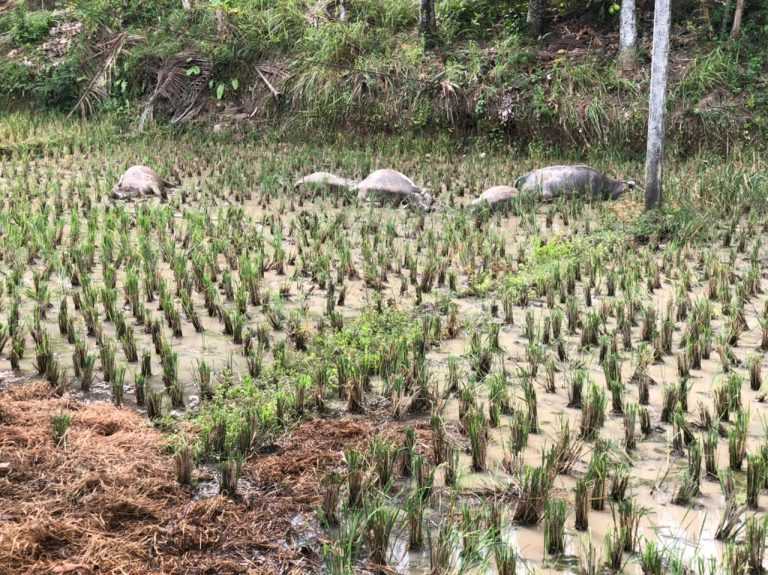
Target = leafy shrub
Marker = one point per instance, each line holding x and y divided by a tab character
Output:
459	19
30	27
16	79
58	86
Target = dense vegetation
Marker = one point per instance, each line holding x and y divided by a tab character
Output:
298	63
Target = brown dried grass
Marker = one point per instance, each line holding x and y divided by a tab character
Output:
108	501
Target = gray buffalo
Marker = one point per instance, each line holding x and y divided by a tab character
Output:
556	181
391	188
495	198
139	181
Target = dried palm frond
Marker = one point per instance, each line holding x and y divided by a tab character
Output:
181	81
105	58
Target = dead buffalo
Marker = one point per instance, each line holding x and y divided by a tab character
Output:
556	181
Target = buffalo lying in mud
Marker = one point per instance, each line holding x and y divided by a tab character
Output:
495	198
383	187
140	181
556	181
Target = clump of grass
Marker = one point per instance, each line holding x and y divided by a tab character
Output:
755	479
229	474
581	504
555	513
593	412
414	510
576	387
118	386
506	558
754	543
737	441
534	485
442	549
383	455
710	442
452	466
355	477
754	365
614	550
652	559
477	428
731	520
597	474
60	426
629	516
184	461
630	417
331	488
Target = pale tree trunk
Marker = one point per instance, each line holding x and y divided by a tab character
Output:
628	35
737	15
706	14
654	155
427	22
535	19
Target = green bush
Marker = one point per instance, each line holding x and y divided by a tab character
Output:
30	27
460	19
58	86
16	80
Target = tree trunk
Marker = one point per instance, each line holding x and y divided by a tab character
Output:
706	14
736	29
427	22
628	35
654	155
535	19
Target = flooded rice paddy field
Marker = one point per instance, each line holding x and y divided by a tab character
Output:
547	389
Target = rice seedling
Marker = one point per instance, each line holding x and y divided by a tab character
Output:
534	484
731	520
443	558
629	516
229	474
589	559
734	559
529	394
60	424
331	490
581	504
755	479
754	543
383	455
355	477
555	513
652	559
737	441
477	429
184	462
593	412
575	390
380	522
754	365
118	386
614	550
597	474
619	482
630	418
506	558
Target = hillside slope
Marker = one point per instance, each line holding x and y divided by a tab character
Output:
302	64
